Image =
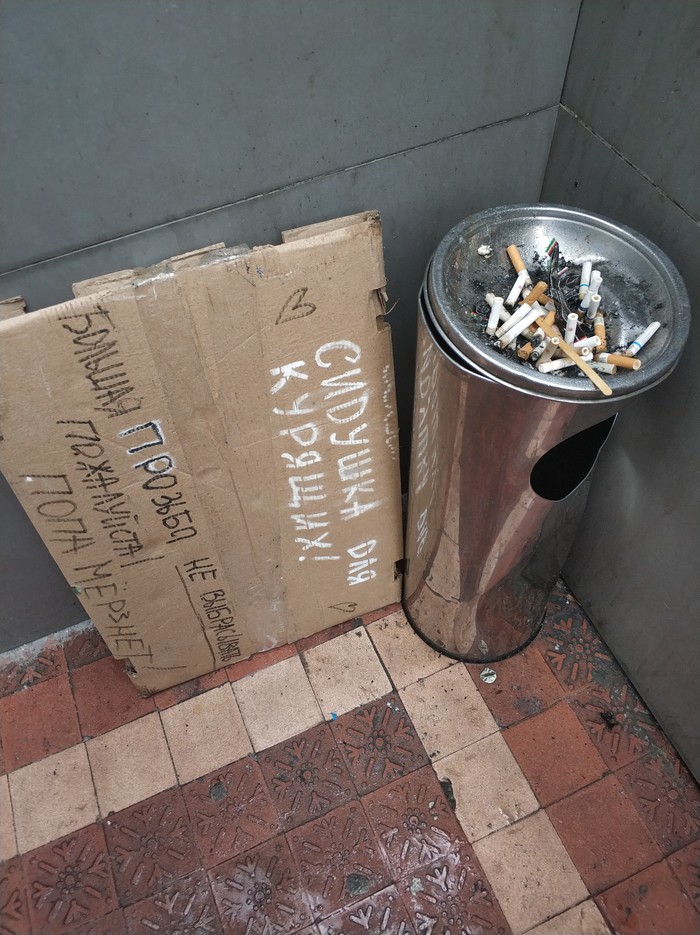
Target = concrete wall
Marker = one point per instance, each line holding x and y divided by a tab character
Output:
626	145
136	129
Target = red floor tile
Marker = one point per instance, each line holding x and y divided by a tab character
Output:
379	743
106	697
70	882
574	651
85	647
413	821
260	891
650	903
618	723
231	811
190	689
383	913
524	686
3	768
686	865
381	612
38	722
603	833
259	661
308	642
306	776
184	907
554	752
14	911
339	859
113	923
151	845
453	895
23	672
667	797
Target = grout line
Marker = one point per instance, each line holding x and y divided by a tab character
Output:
275	191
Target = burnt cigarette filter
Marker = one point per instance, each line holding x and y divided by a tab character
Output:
604	367
599	330
642	339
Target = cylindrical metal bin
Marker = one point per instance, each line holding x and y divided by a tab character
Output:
502	454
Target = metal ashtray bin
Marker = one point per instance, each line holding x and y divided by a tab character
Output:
501	453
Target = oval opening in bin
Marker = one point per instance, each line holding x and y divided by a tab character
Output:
560	470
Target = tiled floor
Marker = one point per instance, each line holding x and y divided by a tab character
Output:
356	783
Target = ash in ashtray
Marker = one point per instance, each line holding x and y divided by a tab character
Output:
552	317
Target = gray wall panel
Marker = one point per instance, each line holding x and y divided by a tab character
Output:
420	194
634	76
635	562
125	114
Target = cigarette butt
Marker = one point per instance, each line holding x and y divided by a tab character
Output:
517	261
551	346
525	351
537	291
604	368
619	360
495	316
599	331
551	366
643	338
581	363
518	287
571	325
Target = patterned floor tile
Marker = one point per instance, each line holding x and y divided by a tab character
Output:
106	697
686	865
604	834
667	797
383	913
184	908
260	892
231	811
84	647
69	882
554	752
413	821
452	895
14	911
306	776
618	722
151	844
38	722
339	859
652	903
379	743
113	923
574	651
28	667
524	686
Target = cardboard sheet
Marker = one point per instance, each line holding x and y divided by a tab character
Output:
209	447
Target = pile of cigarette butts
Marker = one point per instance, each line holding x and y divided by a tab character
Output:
559	324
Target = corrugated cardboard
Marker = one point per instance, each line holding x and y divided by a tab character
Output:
209	450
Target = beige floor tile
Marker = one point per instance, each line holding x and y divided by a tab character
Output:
277	703
52	797
205	732
130	763
346	672
584	919
530	872
489	786
8	842
406	656
448	712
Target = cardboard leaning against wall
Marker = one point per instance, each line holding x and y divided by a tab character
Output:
209	447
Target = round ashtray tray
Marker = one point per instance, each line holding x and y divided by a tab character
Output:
640	285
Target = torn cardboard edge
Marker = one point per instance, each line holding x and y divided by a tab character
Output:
212	457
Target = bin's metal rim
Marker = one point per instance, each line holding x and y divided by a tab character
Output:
485	360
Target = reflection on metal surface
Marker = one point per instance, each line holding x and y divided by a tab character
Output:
483	549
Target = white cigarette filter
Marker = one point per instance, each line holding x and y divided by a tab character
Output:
587	342
619	360
512	319
520	326
643	339
551	366
570	330
586	268
596	282
593	306
495	316
518	287
603	367
548	352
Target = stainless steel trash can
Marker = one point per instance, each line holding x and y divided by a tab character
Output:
502	454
